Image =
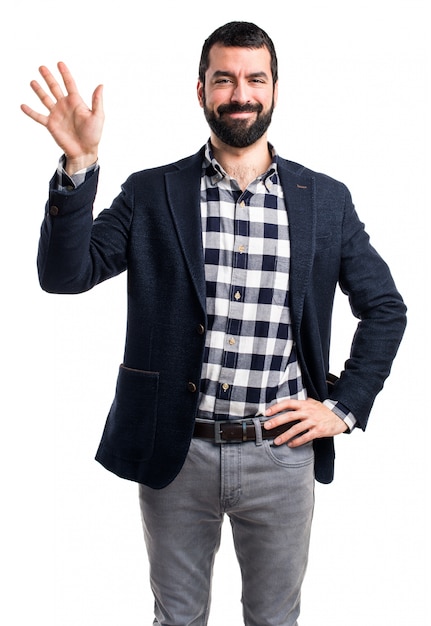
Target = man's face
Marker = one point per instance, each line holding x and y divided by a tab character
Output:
239	95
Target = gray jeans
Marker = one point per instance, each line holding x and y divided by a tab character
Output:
268	493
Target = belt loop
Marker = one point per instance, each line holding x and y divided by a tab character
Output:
258	429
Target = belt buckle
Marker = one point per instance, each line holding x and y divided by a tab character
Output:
218	431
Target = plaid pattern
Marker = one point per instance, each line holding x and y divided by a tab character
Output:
250	360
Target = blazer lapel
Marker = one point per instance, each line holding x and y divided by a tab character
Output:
299	196
183	190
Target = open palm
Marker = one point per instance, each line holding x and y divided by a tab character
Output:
75	127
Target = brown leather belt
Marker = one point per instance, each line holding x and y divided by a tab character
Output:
230	431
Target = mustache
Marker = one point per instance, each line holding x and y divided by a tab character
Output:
239	108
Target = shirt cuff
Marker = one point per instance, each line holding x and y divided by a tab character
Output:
343	413
66	182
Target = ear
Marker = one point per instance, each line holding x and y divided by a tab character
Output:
275	93
200	93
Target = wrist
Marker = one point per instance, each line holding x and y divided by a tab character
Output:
74	165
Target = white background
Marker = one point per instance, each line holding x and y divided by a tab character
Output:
353	79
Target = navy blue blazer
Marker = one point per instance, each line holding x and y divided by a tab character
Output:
153	230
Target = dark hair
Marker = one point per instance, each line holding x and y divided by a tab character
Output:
242	35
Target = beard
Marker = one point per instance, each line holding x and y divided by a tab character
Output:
238	133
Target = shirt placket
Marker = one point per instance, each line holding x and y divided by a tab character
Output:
237	300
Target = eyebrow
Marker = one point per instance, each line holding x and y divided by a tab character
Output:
220	73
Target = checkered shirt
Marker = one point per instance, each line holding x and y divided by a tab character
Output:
250	359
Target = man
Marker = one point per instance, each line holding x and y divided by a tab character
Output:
222	402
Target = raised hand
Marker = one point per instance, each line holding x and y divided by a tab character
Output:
76	129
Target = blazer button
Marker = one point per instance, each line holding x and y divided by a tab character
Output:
201	329
53	210
191	387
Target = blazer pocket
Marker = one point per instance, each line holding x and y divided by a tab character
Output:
131	425
323	242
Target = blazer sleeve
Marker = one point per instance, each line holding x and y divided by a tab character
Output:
76	252
374	299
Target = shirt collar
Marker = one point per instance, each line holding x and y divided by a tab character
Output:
216	173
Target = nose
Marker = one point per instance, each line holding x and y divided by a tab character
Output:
240	93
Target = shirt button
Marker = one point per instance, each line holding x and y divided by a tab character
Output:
242	204
232	341
191	387
237	296
225	386
241	249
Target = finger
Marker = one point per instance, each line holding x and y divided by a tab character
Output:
67	77
37	117
284	405
97	100
300	440
290	421
279	420
293	437
52	83
42	95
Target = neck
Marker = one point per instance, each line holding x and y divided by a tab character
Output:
243	164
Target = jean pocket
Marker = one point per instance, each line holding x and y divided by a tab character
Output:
289	457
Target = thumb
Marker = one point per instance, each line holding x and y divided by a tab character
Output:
97	100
